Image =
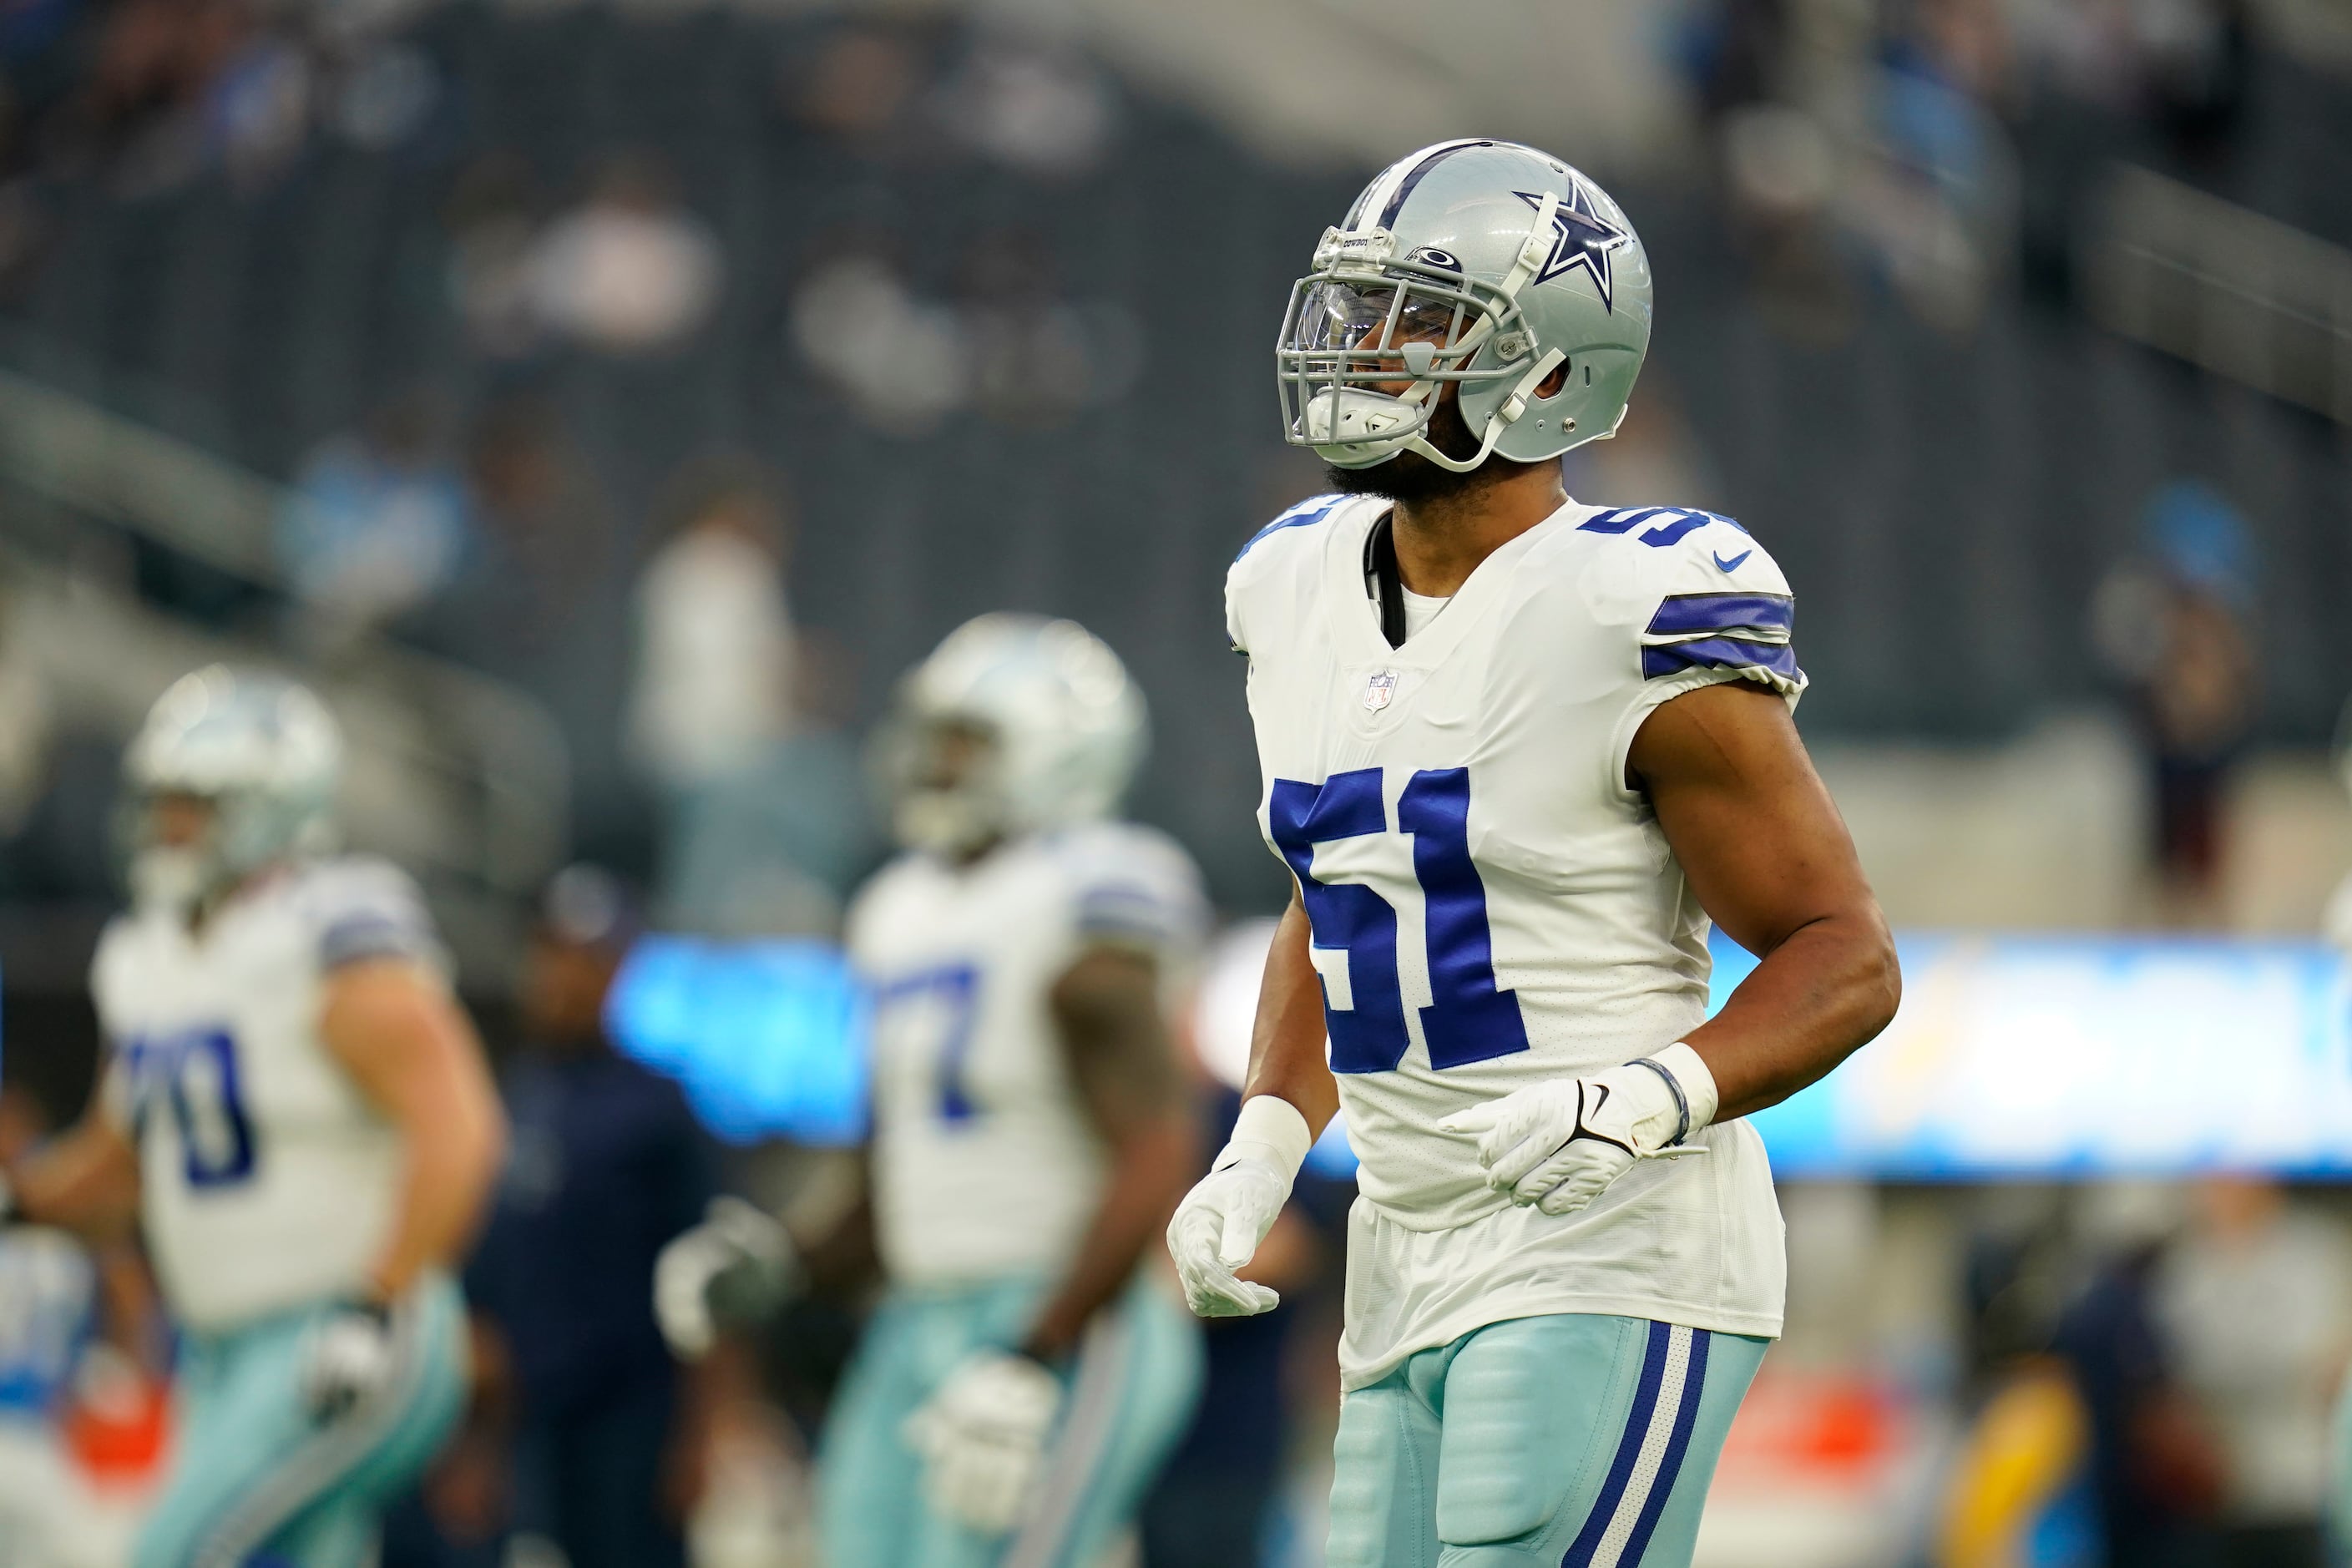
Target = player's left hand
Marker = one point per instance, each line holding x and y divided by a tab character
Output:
983	1438
348	1361
1557	1146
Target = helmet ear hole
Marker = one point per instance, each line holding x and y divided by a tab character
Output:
1552	385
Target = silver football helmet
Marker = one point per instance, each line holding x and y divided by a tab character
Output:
1015	725
1485	265
261	750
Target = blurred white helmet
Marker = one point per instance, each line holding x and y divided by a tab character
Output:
1484	264
261	750
1016	724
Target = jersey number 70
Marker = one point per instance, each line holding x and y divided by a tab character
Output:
1468	1020
194	1072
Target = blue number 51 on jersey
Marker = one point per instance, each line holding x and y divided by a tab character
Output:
1468	1020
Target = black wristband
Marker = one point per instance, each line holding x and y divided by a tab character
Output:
1681	1101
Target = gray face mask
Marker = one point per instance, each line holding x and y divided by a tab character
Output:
171	879
945	821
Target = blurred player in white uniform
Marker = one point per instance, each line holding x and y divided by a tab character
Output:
1023	1380
299	1111
1517	751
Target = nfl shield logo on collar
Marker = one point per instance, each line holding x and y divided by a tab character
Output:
1379	690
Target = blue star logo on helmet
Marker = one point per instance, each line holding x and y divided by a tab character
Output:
1581	237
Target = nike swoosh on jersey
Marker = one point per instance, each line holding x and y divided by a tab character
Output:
1732	564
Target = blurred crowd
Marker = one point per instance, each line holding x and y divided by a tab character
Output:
1945	148
555	372
2151	1378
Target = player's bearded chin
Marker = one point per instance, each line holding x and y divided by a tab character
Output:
1412	478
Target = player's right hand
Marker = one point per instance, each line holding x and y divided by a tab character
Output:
348	1359
734	1245
1217	1230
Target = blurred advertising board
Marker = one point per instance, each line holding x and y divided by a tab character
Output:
2013	1056
2064	1055
767	1039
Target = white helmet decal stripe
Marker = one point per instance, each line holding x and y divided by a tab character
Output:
1438	154
1385	195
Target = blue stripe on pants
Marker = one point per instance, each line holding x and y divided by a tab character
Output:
1629	1451
1677	1445
1131	1397
253	1473
1574	1439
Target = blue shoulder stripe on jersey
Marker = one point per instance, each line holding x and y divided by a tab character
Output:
1766	614
1720	652
1122	904
370	934
1306	514
1681	521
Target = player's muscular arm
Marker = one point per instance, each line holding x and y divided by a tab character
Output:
87	1181
1287	1054
1107	1006
1770	861
394	1028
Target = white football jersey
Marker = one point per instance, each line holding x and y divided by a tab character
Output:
267	1179
986	1164
1492	906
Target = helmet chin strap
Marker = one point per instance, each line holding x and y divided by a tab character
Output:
1502	419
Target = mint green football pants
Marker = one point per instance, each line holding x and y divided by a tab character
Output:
1567	1441
1130	1391
254	1482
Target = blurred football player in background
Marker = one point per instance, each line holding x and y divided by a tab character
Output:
1517	751
298	1106
1024	1378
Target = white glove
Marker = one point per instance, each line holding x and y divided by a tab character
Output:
1218	1227
347	1361
1557	1145
733	1239
983	1438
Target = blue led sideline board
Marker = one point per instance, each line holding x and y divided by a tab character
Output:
767	1039
2061	1055
2052	1056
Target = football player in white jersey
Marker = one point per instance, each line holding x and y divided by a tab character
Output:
1024	1379
1516	753
299	1110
